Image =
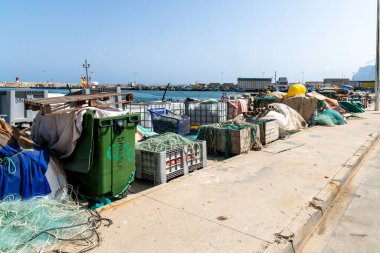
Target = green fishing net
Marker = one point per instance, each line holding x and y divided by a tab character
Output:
43	225
330	118
165	142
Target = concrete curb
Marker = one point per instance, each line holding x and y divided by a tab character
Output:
295	234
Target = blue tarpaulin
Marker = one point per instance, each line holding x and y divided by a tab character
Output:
22	172
346	86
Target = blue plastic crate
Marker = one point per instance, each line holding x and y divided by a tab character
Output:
165	121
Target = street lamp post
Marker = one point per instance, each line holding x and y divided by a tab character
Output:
377	58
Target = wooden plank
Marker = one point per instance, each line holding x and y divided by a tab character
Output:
92	103
76	98
62	108
240	141
50	105
269	131
46	109
123	102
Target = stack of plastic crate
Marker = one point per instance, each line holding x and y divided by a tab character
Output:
160	167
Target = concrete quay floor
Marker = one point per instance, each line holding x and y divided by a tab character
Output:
353	222
237	205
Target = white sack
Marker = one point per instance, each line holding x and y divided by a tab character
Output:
289	119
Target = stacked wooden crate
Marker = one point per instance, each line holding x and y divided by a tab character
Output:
269	131
240	140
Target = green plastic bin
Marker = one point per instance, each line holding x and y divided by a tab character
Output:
103	163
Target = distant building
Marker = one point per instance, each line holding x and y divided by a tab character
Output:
336	81
363	84
282	81
315	84
254	84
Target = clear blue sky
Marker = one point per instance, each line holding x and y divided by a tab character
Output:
182	41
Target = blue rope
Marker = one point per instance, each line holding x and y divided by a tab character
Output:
11	165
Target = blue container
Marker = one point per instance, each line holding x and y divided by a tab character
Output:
165	121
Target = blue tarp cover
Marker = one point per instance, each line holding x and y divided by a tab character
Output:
28	178
346	86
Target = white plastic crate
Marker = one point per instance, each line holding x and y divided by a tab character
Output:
197	158
205	114
160	167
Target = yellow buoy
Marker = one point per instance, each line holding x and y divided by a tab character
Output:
296	89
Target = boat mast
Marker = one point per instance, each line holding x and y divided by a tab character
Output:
163	97
86	66
377	59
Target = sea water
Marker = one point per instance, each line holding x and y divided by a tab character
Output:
156	95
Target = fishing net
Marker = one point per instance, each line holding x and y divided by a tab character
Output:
263	101
330	118
43	225
211	134
165	142
165	121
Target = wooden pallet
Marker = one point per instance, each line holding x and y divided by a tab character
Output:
50	105
256	111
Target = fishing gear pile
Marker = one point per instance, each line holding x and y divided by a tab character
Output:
212	135
44	225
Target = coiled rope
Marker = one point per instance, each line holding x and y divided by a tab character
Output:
11	167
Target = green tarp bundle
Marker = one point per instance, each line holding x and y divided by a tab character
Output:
351	107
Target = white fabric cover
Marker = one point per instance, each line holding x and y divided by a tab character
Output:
59	132
56	178
289	119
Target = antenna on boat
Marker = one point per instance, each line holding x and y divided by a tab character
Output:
68	87
86	66
163	97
